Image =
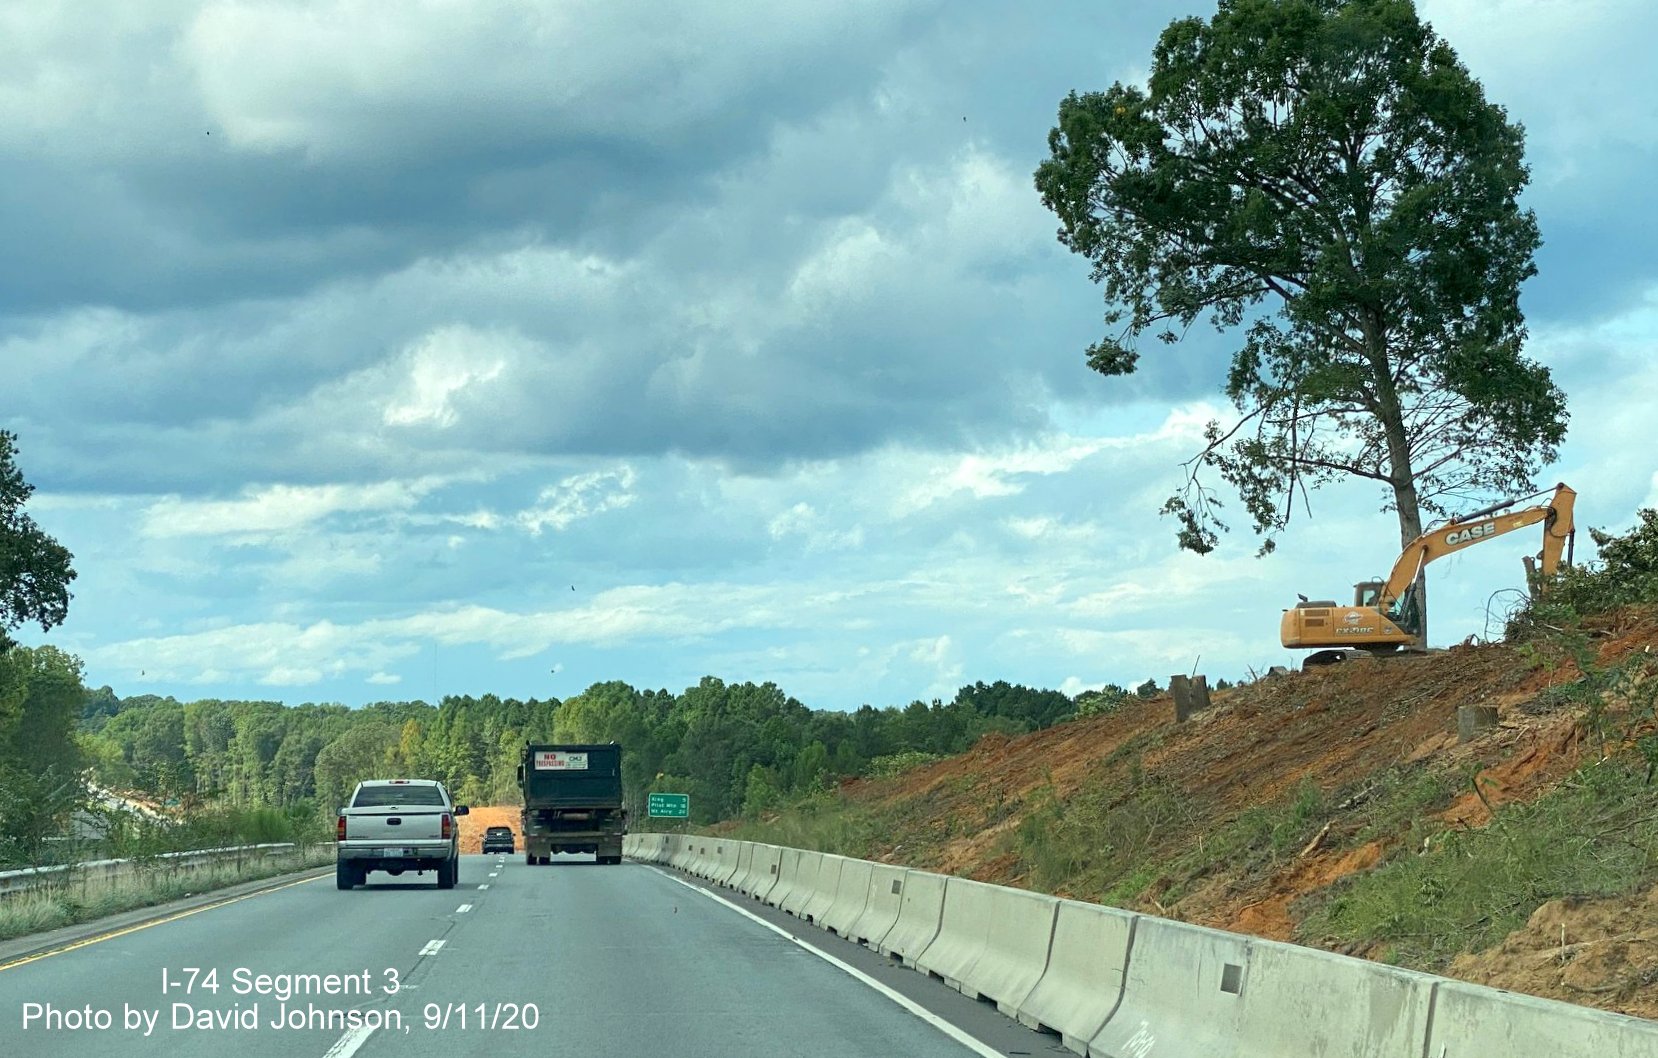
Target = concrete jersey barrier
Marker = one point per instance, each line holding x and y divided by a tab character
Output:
805	884
724	862
702	857
762	871
886	894
1193	992
788	868
851	897
673	850
1083	982
824	888
745	865
1118	985
739	864
919	913
1471	1021
963	933
1015	956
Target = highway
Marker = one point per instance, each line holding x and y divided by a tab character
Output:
567	959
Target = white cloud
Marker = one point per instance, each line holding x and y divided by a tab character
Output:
1075	685
578	497
479	519
291	676
384	678
276	508
440	366
997	474
803	522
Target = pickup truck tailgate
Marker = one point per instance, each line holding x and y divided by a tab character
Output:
394	825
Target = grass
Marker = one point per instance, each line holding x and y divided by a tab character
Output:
821	823
1594	835
1402	801
1099	841
1117	841
86	899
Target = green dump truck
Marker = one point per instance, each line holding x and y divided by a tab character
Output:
572	801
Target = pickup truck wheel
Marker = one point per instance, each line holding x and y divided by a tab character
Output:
345	876
446	874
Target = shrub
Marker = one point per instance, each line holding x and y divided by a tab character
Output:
1626	573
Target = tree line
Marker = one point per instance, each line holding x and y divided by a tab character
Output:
734	747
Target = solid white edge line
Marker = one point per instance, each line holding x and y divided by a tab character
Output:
972	1043
347	1045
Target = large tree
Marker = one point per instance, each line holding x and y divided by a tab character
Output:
41	696
34	568
1326	179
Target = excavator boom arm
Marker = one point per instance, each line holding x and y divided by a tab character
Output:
1465	532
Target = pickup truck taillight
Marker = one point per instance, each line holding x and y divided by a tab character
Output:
339	829
448	824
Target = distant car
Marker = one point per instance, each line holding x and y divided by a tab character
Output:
499	839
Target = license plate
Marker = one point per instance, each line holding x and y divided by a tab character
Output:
408	852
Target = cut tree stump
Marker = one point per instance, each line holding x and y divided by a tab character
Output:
1191	696
1474	720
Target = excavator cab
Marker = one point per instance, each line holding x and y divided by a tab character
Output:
1367	592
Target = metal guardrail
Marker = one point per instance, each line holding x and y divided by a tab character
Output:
25	879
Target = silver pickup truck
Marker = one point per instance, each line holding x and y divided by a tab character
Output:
397	825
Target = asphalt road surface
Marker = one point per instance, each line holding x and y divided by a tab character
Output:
568	959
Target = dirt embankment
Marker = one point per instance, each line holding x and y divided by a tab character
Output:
1348	731
480	818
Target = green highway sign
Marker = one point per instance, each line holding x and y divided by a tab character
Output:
668	805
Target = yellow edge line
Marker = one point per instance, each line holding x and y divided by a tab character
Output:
101	937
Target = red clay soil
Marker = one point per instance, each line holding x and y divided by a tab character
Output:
1336	728
1597	952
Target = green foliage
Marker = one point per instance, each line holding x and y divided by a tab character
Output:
822	822
1106	700
898	763
1102	837
128	835
762	793
35	570
1333	161
1404	800
1595	835
40	760
1625	574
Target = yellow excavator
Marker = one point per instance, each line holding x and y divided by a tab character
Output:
1386	615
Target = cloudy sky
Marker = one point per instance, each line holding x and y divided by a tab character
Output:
365	351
